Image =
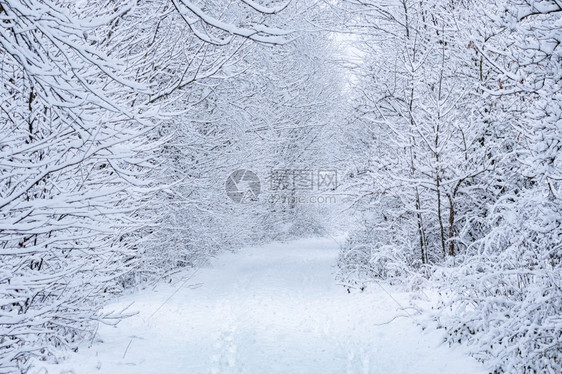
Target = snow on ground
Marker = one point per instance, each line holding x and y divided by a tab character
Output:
270	309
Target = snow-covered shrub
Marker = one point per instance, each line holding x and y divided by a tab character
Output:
364	258
506	298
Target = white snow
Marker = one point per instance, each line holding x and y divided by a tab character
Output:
269	309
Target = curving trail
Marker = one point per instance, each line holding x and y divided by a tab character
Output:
270	309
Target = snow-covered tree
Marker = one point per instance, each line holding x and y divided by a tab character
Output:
90	93
456	141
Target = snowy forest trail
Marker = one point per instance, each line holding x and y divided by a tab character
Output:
269	309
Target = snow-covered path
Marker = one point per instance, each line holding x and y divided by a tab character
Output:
272	309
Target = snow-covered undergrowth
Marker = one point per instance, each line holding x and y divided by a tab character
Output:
504	305
510	317
506	299
365	257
